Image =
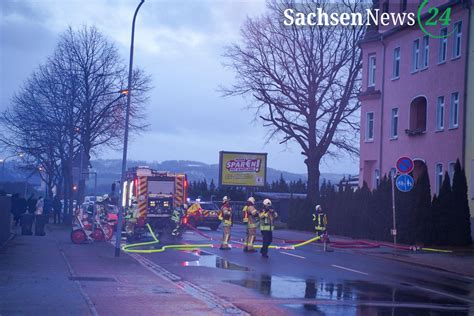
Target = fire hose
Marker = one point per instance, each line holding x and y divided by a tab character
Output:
356	244
130	247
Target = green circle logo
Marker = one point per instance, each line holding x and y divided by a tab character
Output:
435	18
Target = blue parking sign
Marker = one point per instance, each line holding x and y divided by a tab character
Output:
404	182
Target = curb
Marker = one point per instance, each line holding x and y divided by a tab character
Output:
4	244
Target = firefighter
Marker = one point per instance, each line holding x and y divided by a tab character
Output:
225	215
267	219
321	220
176	217
252	220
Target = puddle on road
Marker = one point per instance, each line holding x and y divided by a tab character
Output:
213	261
366	310
355	293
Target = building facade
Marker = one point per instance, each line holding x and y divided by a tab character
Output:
417	96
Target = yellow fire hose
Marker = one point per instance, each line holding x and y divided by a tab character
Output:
128	248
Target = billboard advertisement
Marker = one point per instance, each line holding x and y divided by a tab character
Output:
242	169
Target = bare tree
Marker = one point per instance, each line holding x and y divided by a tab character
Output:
303	80
73	105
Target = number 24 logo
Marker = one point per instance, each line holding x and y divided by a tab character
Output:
435	16
434	12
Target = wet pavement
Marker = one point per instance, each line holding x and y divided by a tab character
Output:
308	281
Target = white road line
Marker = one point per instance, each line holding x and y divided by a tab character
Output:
444	294
290	254
348	269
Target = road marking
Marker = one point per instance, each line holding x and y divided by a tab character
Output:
290	254
348	269
445	294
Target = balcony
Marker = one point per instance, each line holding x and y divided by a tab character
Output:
415	132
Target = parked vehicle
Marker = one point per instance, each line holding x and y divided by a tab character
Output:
203	214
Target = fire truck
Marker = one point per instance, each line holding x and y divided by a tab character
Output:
151	197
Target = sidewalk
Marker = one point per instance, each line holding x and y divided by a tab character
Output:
51	276
460	261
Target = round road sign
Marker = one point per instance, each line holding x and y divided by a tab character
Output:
405	165
404	182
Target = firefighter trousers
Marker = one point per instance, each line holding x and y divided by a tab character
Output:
267	236
251	236
226	237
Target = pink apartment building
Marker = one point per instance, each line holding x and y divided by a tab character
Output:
417	96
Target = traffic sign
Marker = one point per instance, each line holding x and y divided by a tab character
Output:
393	232
405	165
405	182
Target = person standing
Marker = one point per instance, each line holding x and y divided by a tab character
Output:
267	220
252	221
225	215
39	221
321	220
32	204
57	209
47	209
15	209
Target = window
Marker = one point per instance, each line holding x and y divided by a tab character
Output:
451	171
369	128
403	5
443	45
415	57
376	178
396	63
372	67
457	39
394	125
425	53
439	176
440	114
418	109
454	110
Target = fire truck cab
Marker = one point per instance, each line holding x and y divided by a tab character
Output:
151	197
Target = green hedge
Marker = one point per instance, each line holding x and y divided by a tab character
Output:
365	214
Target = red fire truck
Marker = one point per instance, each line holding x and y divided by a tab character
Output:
151	197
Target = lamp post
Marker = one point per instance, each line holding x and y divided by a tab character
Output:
118	236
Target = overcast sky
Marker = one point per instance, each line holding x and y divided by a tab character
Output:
180	44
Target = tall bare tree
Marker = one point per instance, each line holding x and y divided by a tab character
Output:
303	80
73	105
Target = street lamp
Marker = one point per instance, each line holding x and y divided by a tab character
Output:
118	236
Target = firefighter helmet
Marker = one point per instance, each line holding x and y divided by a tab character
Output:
318	207
225	199
251	200
267	202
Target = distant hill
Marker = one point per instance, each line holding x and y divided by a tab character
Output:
108	170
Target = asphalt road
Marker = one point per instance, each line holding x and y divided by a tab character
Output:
310	281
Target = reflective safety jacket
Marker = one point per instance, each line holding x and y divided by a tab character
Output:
245	215
321	221
252	216
225	214
267	219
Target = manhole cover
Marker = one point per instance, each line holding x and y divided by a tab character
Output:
93	279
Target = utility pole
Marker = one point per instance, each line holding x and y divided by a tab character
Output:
118	236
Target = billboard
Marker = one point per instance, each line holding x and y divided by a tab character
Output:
242	169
